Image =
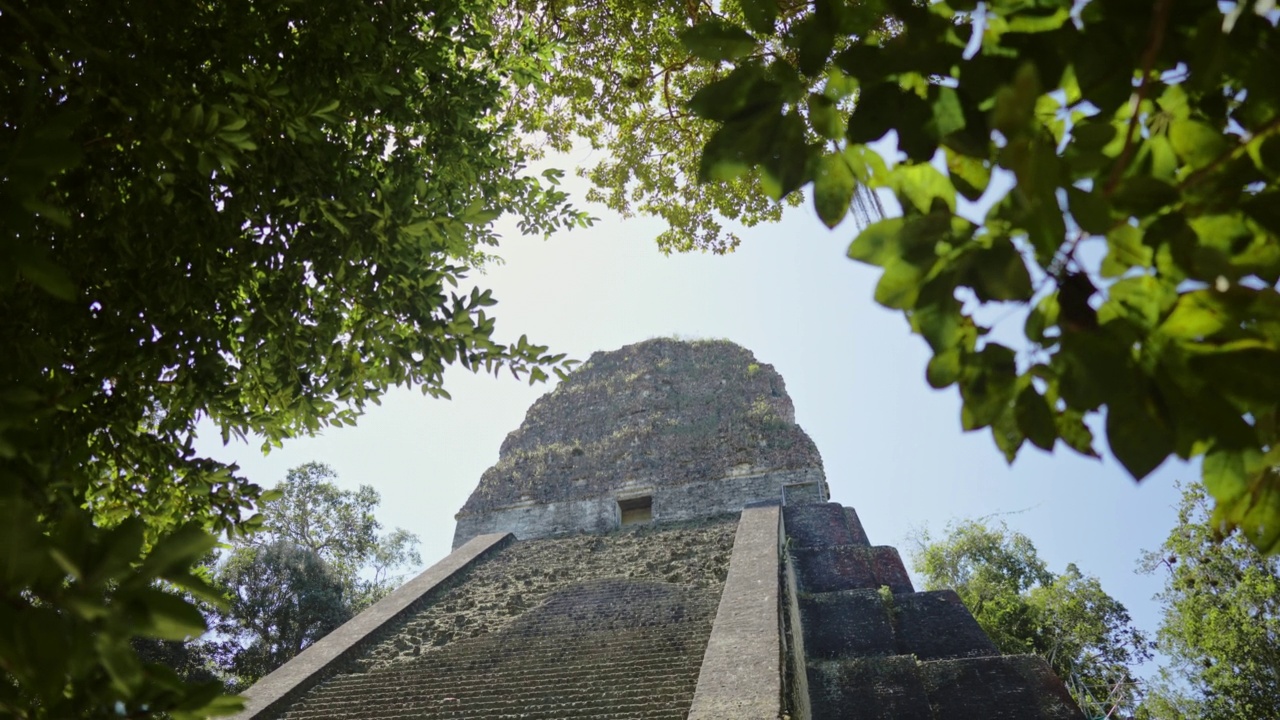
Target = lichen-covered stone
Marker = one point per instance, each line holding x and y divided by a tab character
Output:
524	575
662	411
649	419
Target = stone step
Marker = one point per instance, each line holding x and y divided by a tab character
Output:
820	525
487	696
849	567
861	623
646	672
899	687
465	682
600	696
855	527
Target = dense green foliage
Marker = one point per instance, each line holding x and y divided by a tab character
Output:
620	86
1221	626
316	562
1085	634
248	211
340	527
1140	238
282	598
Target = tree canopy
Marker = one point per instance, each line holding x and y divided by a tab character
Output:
253	212
1085	634
1138	236
1221	625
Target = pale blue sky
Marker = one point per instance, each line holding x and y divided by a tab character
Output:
892	446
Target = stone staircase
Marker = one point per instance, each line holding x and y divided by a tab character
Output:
893	653
608	649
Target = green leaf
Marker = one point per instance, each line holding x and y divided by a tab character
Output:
47	276
998	273
786	159
1035	419
899	286
1143	195
1196	315
1016	102
760	14
969	175
948	115
1042	317
813	40
825	117
921	184
1007	435
944	368
742	91
1195	142
1250	372
1226	472
1264	209
1125	250
1071	428
833	187
987	386
717	40
1138	435
738	145
1090	210
878	243
170	617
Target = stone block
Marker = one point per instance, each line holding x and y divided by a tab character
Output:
846	624
816	525
825	569
1016	687
935	625
886	565
883	688
855	527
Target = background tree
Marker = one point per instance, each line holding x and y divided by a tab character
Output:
1139	239
1085	634
252	212
341	528
1221	625
282	598
316	562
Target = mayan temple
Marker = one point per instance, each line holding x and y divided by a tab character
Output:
656	541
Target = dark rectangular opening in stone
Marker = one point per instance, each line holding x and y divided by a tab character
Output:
636	510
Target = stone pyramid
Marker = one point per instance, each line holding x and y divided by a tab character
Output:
656	541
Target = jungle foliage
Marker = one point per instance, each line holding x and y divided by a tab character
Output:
248	211
1140	236
1221	624
1087	636
318	560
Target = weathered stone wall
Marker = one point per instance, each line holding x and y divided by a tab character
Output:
701	426
670	504
522	576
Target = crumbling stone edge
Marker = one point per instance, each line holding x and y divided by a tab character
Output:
312	666
741	677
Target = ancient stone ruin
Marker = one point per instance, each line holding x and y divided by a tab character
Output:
672	430
655	541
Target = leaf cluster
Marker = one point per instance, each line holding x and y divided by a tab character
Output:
1086	635
257	213
1138	236
1221	624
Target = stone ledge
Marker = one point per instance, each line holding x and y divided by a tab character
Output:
272	693
741	676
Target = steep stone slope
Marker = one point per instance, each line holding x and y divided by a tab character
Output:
659	412
610	626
